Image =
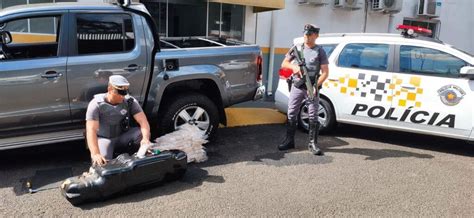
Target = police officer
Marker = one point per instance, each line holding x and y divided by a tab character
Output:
316	61
108	120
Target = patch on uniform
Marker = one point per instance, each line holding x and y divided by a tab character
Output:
451	94
123	111
379	88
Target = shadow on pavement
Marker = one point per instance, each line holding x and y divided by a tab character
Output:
254	145
406	139
258	145
193	178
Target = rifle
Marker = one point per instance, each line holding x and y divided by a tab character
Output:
302	63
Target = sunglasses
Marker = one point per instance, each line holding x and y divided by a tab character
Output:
122	92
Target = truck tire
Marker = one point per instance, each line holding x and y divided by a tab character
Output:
192	108
326	116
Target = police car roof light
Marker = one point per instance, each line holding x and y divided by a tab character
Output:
409	31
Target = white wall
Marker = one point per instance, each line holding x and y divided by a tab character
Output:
250	25
457	22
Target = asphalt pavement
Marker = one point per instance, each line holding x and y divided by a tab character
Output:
364	172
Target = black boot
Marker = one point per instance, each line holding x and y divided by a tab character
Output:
289	141
313	137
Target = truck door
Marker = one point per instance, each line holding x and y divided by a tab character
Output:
432	97
33	88
359	83
104	44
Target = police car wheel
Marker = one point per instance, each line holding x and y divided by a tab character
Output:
194	109
326	117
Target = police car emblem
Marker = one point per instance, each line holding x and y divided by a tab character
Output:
451	94
123	111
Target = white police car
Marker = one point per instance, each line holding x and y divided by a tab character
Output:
393	81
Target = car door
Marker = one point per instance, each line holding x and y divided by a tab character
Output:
359	83
104	44
33	86
432	97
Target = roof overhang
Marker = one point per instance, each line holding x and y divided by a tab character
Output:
258	5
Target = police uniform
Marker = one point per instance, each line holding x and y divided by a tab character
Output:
114	123
314	57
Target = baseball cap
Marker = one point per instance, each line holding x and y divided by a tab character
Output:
310	28
118	82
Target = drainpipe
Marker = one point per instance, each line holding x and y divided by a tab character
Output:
390	22
271	58
366	12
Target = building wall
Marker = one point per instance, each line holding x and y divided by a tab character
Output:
456	26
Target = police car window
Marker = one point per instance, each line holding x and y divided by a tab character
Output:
328	49
364	56
104	33
415	59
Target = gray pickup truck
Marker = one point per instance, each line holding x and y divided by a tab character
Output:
55	57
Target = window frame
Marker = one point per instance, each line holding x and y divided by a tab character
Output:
63	40
73	45
390	57
397	61
334	46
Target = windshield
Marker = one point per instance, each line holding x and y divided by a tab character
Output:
465	52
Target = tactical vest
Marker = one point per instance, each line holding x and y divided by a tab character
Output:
311	57
113	119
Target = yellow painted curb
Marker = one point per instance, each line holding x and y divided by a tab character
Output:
253	116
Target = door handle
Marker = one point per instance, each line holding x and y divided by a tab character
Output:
131	68
51	74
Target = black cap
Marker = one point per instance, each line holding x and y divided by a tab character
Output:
310	29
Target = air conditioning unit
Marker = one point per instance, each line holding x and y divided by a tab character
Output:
312	2
429	8
386	6
348	4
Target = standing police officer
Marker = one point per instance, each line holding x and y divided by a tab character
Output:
108	120
316	61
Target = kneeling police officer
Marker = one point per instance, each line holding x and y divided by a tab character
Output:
108	120
315	60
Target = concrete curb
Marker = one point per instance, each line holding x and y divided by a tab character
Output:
253	116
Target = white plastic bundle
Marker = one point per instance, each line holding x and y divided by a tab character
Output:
187	138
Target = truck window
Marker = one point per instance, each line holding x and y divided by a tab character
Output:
33	37
104	33
364	56
414	59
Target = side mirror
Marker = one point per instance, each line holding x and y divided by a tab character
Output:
124	3
5	37
468	72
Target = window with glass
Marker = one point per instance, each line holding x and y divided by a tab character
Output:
41	29
41	25
10	3
33	42
177	18
104	33
157	10
364	56
187	18
226	20
414	59
329	49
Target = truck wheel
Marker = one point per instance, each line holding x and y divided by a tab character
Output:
326	117
195	109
